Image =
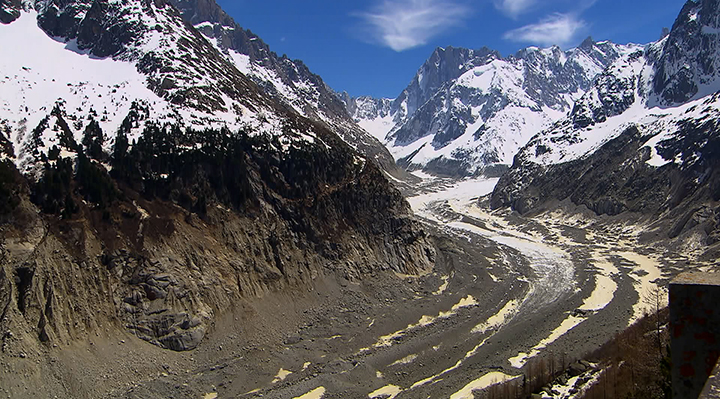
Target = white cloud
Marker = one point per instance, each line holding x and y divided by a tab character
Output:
405	24
514	8
560	29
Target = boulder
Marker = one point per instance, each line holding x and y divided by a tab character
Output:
576	369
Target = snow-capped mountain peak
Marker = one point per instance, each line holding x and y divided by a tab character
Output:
469	111
288	81
122	63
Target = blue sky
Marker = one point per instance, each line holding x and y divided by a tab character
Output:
374	47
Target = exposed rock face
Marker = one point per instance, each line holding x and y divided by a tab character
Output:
9	10
100	27
443	66
614	94
689	63
469	111
598	186
165	273
617	178
617	153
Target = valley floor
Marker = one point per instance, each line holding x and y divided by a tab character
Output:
505	290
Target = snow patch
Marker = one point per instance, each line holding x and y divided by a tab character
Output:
316	393
387	392
281	375
486	381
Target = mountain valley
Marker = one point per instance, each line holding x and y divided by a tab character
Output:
184	213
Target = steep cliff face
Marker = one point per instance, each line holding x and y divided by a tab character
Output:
689	63
443	66
642	140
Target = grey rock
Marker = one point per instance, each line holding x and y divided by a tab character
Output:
295	339
9	10
576	369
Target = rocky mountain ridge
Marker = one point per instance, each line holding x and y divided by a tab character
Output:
688	65
118	64
280	79
289	81
467	112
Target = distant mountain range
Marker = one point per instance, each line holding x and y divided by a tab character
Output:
613	128
468	112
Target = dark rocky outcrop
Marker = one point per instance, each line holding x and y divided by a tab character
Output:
690	54
616	179
100	27
615	95
611	181
9	10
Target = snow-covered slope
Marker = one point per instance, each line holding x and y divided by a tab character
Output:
288	81
380	116
126	63
122	64
654	89
117	63
468	111
643	139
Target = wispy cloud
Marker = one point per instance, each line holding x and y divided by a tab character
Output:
405	24
560	29
513	8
